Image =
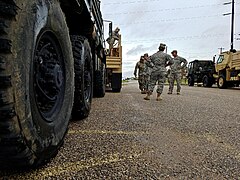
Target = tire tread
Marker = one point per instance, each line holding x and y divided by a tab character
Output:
79	110
13	147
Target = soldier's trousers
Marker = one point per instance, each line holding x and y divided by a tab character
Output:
146	82
172	77
141	82
159	78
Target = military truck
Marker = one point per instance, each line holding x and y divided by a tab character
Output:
201	71
228	69
51	61
114	68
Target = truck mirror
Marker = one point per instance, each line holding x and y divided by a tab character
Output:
110	29
214	59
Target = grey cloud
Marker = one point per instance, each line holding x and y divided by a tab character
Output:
140	49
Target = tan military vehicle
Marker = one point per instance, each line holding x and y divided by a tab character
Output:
228	69
114	67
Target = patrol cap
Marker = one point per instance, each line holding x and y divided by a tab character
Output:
146	54
162	45
174	51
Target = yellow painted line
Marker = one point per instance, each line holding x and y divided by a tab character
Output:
74	166
108	132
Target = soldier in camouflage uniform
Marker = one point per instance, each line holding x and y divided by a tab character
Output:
115	37
158	62
147	74
140	66
176	72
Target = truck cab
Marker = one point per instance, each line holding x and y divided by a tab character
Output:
201	71
228	69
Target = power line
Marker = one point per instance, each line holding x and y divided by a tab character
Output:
175	38
170	20
130	2
162	10
134	2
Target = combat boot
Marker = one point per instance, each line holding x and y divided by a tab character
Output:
143	92
178	93
169	92
159	97
147	97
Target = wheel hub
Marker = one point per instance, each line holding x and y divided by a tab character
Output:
221	81
49	76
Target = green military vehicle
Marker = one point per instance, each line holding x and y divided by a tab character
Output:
228	69
201	71
52	60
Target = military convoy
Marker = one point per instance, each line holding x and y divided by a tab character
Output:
52	63
225	72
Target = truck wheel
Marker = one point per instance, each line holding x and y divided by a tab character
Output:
207	81
83	77
36	82
190	81
116	82
222	84
100	81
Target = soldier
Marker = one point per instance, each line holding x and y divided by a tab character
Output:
158	62
115	37
140	68
176	72
147	73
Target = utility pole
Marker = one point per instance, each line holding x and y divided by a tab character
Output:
221	49
232	27
232	22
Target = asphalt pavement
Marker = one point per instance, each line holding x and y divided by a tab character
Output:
192	136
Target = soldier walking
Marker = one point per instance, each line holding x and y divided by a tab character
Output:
176	72
140	68
147	73
158	62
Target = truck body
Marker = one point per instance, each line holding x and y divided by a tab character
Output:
201	71
114	68
52	63
228	69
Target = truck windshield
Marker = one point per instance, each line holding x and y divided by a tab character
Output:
220	59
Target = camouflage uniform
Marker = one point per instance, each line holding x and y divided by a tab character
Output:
176	73
140	66
147	71
158	63
115	37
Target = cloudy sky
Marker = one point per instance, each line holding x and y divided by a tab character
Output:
196	28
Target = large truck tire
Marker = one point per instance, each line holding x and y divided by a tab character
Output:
222	84
83	77
190	81
100	81
36	81
207	81
116	82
